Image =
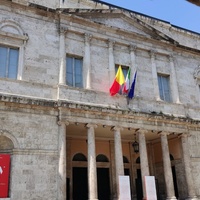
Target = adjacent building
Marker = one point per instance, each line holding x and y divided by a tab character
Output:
66	136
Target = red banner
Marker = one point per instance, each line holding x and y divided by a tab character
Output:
4	174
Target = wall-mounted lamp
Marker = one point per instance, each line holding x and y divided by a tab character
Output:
135	146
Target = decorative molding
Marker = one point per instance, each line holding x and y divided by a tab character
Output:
10	136
88	37
196	73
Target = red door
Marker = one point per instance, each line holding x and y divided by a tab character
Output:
4	174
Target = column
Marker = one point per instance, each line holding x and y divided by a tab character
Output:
174	86
187	167
92	170
119	165
143	158
111	62
62	162
154	75
113	172
87	64
62	57
167	167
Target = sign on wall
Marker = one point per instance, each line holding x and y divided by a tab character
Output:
150	187
124	188
4	174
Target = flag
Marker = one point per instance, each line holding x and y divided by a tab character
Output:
118	82
132	89
127	82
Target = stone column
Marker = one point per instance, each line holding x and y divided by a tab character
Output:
87	64
154	75
173	81
118	157
111	62
92	170
113	172
143	158
62	169
187	167
167	167
62	57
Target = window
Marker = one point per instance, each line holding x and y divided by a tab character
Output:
164	89
74	72
125	71
9	62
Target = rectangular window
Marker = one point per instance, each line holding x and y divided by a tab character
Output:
74	73
125	71
9	62
164	87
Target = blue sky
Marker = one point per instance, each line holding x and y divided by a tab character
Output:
178	12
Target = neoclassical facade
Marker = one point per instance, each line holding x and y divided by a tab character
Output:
67	137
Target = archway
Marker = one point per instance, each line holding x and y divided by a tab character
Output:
103	177
80	177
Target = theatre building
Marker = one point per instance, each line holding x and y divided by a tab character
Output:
62	134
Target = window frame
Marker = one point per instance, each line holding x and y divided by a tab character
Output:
12	36
74	58
8	61
163	88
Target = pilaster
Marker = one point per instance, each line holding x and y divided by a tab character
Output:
87	62
173	80
154	75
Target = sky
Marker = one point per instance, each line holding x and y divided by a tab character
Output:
177	12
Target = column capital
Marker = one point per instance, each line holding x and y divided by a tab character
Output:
116	128
184	135
111	43
63	30
88	37
163	133
90	125
171	57
132	47
142	131
59	122
153	53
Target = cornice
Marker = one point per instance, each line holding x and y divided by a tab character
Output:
93	110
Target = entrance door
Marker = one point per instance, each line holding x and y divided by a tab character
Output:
175	182
138	183
103	183
80	183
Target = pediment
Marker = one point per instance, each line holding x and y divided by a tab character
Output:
120	19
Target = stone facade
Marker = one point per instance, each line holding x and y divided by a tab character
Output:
61	136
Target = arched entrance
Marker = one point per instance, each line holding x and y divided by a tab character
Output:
138	181
80	177
103	177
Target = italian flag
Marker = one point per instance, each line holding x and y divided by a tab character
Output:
127	82
118	82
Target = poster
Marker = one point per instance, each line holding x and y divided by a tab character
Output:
124	188
4	174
